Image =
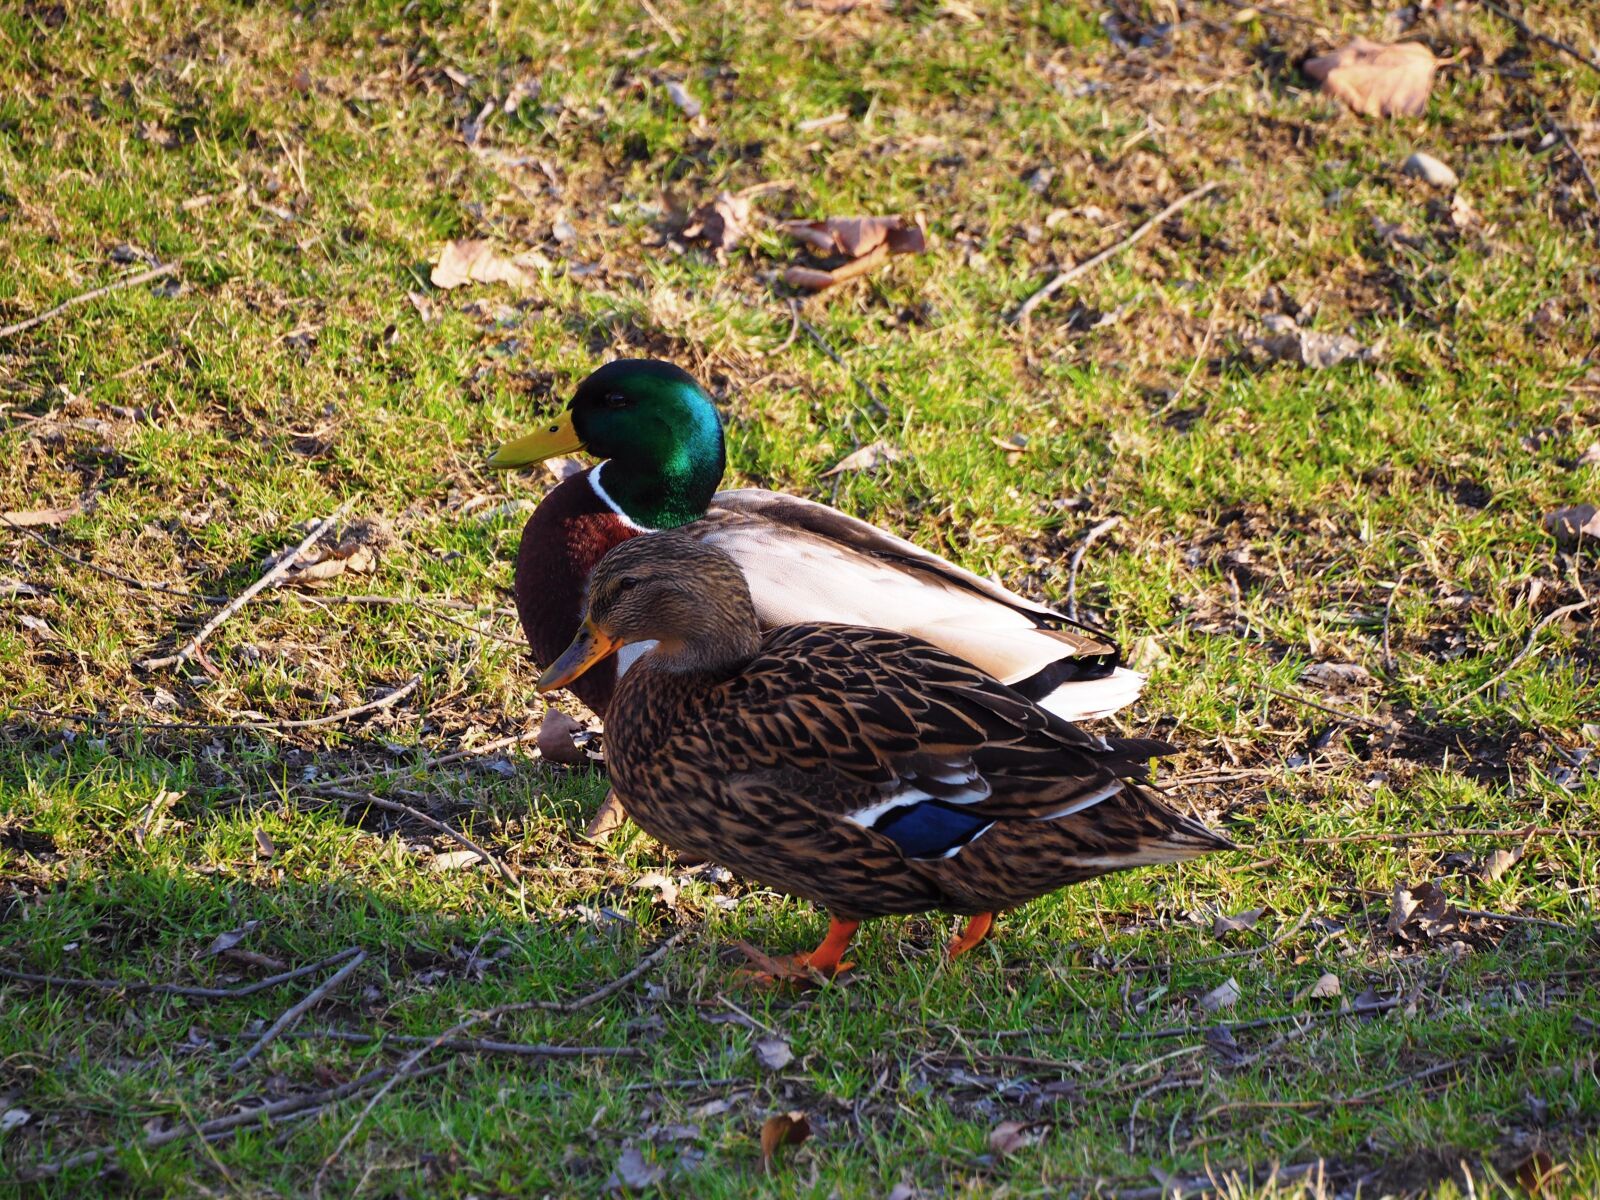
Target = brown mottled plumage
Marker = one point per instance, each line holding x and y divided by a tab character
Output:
863	769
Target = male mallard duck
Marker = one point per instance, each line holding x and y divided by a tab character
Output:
661	440
866	770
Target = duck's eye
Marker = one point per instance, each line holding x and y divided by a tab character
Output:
616	400
627	583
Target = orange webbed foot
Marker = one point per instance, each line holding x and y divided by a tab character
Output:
827	960
977	928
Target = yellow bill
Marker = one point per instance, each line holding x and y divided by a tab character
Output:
589	646
555	436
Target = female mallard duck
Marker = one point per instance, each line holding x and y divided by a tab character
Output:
866	770
661	440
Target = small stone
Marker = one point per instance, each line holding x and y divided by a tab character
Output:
1430	170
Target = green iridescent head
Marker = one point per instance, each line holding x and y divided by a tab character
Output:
656	429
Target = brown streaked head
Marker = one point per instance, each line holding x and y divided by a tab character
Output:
669	588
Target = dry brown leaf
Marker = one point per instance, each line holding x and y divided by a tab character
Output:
454	860
1238	923
1010	1136
679	95
264	845
785	1129
660	884
1569	526
1326	987
555	740
473	260
774	969
1421	912
227	941
1535	1173
813	279
634	1173
854	237
722	224
1336	675
1287	342
1377	80
1224	995
773	1053
1498	863
28	518
610	817
868	458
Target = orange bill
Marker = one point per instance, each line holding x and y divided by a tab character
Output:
588	647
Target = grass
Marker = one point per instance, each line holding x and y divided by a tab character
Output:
305	164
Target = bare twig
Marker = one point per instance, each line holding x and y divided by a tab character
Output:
1529	32
500	867
129	580
1525	831
1261	1022
1337	1101
823	344
1528	648
1388	616
140	988
294	1013
666	26
472	1045
293	1106
1354	719
644	966
1025	310
389	700
406	1067
1089	539
278	571
94	294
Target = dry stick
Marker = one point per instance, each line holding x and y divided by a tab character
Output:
95	294
1388	616
460	1027
1369	722
136	988
1572	149
372	706
472	1045
140	584
267	580
293	1106
643	967
666	25
1541	37
287	1020
1527	649
1025	310
1337	1101
1089	539
1526	831
504	871
1260	1022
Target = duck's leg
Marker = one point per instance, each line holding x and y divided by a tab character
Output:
826	957
977	929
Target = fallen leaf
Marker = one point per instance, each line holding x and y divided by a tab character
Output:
424	307
1287	342
264	846
868	458
1536	1172
721	224
633	1172
555	740
1570	526
611	816
855	237
43	516
454	860
1220	1041
679	95
230	939
1336	675
1224	995
1421	912
356	552
773	968
38	626
1326	987
773	1053
1463	216
1430	170
561	468
785	1129
14	1118
473	260
1238	923
1010	1136
1591	456
1498	863
664	887
1377	80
